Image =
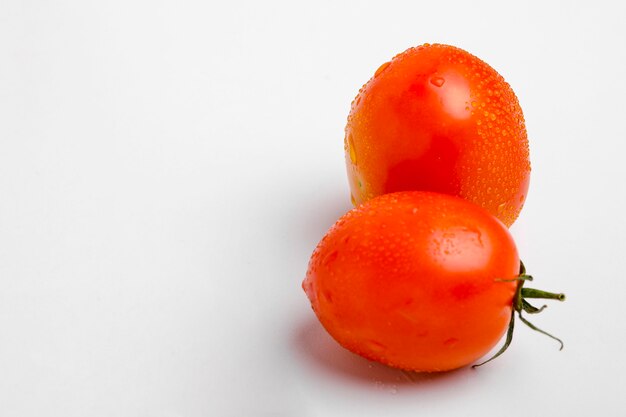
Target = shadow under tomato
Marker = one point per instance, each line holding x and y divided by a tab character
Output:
318	349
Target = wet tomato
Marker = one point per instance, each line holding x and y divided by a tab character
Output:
437	118
415	280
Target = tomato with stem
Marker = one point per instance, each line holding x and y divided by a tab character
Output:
420	281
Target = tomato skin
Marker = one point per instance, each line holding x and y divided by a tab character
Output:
437	118
414	280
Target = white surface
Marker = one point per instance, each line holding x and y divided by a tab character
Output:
166	169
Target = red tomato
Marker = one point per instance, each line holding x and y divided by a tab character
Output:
437	118
414	280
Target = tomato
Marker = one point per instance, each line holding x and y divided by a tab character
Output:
415	280
437	118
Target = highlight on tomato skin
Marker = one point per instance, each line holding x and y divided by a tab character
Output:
437	118
416	280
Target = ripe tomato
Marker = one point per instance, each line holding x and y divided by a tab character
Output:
437	118
415	280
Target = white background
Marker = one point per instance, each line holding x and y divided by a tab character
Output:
167	167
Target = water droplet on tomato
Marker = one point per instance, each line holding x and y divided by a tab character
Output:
307	287
375	346
437	81
330	257
351	150
381	69
451	341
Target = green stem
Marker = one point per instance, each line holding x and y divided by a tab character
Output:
507	342
521	304
535	293
535	328
531	309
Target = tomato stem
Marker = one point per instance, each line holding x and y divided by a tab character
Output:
532	326
507	342
520	303
531	309
534	293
